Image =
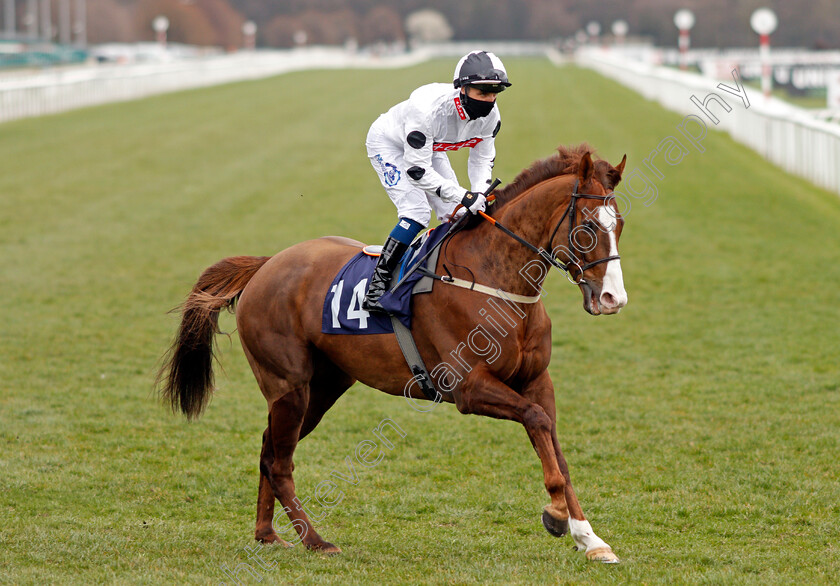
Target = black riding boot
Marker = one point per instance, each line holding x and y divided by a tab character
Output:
389	260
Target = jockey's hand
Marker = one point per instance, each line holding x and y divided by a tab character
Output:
475	202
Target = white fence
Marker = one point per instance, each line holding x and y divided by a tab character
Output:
788	136
34	93
24	94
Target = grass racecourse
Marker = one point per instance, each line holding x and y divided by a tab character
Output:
702	424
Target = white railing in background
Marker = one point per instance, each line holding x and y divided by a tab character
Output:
791	137
34	93
788	136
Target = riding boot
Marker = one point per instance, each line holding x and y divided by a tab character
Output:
389	260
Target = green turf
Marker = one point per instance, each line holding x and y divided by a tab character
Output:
701	424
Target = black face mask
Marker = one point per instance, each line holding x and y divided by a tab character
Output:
476	108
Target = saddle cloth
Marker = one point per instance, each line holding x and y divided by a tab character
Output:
343	313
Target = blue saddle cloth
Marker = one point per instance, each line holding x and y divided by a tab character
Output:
343	313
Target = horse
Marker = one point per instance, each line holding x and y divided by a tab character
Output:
561	210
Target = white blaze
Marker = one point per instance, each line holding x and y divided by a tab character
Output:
613	279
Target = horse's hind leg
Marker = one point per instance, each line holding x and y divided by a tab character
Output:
327	385
286	428
286	416
264	532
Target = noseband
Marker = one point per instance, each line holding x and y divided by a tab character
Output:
579	266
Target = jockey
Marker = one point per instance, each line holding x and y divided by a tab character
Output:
407	147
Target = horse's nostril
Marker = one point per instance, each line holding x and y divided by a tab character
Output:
607	299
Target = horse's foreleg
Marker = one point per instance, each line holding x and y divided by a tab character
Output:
483	394
541	391
584	537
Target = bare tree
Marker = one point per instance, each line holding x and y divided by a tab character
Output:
427	26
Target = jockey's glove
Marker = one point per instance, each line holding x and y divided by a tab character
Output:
475	202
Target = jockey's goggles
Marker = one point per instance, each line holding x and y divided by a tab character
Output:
488	86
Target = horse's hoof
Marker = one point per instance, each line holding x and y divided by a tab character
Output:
325	548
602	554
272	539
557	527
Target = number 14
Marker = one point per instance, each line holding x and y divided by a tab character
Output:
354	311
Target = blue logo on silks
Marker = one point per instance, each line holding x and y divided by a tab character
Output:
389	172
392	175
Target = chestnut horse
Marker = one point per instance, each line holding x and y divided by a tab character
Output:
301	371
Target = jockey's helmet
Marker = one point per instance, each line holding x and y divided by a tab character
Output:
481	69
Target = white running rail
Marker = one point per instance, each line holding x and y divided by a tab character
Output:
24	94
788	136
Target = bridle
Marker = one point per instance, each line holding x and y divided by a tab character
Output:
548	255
571	210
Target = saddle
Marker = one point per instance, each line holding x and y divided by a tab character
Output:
342	311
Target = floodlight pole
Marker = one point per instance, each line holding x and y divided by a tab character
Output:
764	21
161	24
764	55
684	20
249	35
619	30
593	29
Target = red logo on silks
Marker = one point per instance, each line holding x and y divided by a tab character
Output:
460	108
454	146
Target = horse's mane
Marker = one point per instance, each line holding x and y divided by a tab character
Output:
564	162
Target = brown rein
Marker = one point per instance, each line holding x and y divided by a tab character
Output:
548	256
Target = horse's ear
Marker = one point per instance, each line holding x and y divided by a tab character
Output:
620	166
585	168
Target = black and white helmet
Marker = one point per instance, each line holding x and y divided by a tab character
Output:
481	68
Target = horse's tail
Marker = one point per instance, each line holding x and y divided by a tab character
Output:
186	378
